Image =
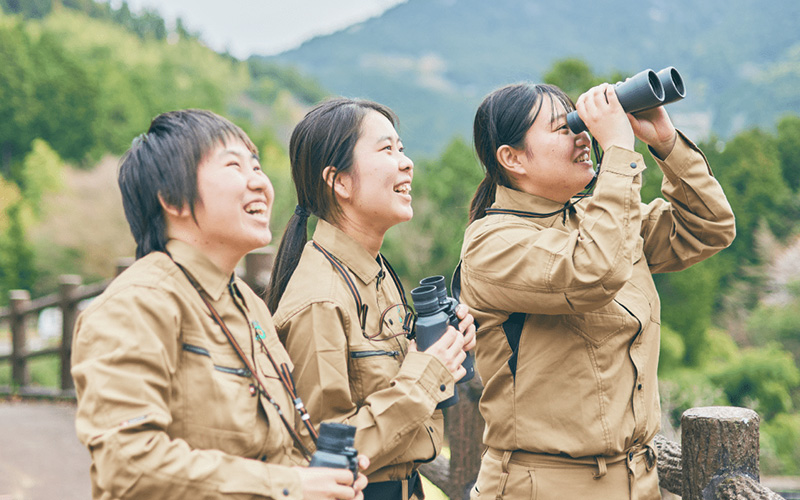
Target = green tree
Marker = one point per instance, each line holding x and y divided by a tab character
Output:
762	379
750	171
789	149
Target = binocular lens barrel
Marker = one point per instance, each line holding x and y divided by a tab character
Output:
425	299
645	90
673	85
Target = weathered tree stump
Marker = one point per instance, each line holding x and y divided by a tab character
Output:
719	444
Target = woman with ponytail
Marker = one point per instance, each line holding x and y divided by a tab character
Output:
561	286
340	309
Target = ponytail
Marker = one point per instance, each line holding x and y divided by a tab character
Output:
483	199
294	239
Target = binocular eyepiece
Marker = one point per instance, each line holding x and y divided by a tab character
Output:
435	311
645	90
335	448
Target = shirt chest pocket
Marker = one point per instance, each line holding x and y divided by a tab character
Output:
598	327
371	370
214	406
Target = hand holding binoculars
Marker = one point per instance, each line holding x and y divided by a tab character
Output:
435	311
645	90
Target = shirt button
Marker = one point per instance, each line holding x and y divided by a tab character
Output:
630	457
442	387
639	387
633	165
263	458
286	492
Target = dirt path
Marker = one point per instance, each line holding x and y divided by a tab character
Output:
40	456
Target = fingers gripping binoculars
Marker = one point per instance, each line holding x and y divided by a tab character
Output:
644	90
435	311
335	448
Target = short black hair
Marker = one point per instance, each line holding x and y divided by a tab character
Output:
163	163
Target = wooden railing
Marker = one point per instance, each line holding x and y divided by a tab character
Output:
22	310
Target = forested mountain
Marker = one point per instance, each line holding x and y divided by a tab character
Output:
433	60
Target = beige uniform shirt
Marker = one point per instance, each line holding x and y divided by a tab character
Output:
389	394
580	377
165	405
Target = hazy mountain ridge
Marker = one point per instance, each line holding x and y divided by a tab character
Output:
433	60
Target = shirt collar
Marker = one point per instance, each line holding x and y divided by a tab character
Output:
210	278
509	198
347	251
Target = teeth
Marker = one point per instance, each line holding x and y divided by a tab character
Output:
256	208
582	158
404	189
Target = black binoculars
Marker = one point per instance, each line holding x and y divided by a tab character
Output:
335	448
644	90
435	311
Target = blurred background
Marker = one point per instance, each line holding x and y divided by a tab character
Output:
80	78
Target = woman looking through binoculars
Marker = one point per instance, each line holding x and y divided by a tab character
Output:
562	288
340	309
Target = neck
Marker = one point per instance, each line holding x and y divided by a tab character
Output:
215	252
367	236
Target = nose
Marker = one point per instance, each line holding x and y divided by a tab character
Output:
406	163
583	139
258	181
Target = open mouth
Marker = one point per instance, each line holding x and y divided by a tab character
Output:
256	208
584	158
403	189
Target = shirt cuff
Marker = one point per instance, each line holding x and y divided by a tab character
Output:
429	373
622	161
280	482
684	155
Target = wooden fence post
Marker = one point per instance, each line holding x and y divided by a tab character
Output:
258	269
124	263
20	299
68	284
719	444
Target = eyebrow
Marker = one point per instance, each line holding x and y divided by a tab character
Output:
387	138
240	155
558	119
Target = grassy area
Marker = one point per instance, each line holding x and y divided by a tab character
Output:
431	491
44	372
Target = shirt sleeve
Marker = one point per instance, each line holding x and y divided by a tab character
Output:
694	220
124	360
520	265
389	420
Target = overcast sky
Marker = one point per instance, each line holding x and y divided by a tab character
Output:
264	27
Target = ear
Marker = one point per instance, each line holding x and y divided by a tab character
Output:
173	211
510	159
342	184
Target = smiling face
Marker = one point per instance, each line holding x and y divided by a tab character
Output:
233	208
556	162
378	186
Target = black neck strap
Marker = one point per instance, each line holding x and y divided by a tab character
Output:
351	285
